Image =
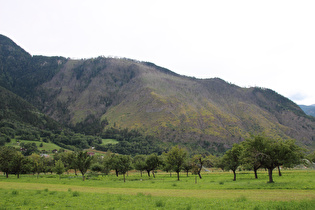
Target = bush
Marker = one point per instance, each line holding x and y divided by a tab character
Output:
15	192
75	194
160	203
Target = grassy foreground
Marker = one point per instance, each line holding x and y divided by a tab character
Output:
216	190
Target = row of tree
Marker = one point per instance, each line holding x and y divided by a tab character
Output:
254	153
263	152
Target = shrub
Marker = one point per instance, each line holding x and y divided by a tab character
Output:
242	198
75	194
15	192
159	203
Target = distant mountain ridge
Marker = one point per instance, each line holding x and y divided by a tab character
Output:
309	110
200	114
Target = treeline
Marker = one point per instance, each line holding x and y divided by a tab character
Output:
64	138
129	142
252	154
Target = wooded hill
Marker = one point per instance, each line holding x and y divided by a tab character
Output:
93	95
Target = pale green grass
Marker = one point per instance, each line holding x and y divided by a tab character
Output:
109	141
258	195
73	199
216	190
295	180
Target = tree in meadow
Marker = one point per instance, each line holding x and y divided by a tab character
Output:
7	155
114	163
176	158
290	154
152	162
139	163
59	168
83	162
188	165
251	153
18	163
272	153
231	160
37	163
107	162
124	164
198	162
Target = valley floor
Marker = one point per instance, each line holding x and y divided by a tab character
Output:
216	190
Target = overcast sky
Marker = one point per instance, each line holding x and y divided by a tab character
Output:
268	44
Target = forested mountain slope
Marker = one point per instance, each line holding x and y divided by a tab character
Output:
14	110
200	114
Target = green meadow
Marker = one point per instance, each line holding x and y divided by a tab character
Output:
295	189
45	146
109	141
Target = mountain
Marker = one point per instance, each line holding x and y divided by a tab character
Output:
18	118
309	110
15	110
21	120
200	114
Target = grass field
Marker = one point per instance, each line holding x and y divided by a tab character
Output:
46	146
109	141
216	190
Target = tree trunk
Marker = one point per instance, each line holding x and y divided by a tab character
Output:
270	175
187	173
7	174
234	175
199	175
255	171
141	173
116	172
177	176
124	177
279	171
153	174
170	173
148	173
18	175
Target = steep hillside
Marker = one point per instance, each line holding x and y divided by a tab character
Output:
20	72
21	120
92	95
208	113
15	110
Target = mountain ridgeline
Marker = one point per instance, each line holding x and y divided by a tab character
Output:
309	110
93	96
